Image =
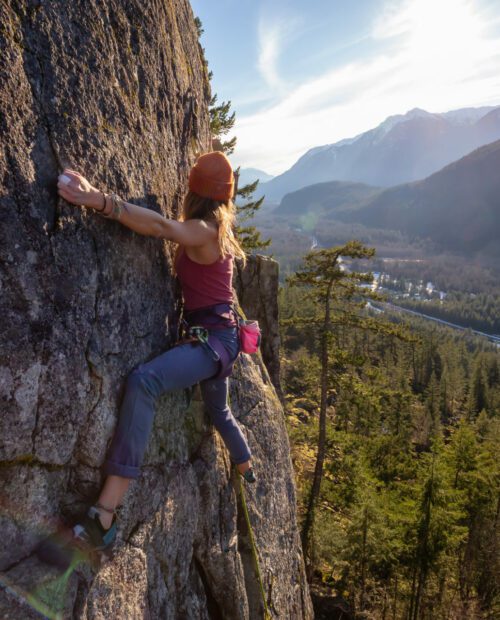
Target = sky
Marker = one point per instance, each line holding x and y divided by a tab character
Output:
301	75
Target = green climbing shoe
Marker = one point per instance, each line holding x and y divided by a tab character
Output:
88	539
249	475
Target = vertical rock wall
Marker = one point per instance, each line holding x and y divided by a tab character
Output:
257	288
118	90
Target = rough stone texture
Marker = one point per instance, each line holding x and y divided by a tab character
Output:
118	90
257	288
33	590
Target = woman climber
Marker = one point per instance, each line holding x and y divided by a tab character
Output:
204	265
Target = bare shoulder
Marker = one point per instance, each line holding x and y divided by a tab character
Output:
209	251
210	224
208	227
194	232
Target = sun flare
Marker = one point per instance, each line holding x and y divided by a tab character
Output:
443	35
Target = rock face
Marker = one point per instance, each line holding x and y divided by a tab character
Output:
257	288
119	91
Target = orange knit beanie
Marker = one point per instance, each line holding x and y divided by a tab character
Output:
212	176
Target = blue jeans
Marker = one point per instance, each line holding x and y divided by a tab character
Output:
180	367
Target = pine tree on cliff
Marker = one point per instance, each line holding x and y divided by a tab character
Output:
338	301
221	122
249	234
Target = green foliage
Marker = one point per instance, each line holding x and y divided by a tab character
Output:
338	298
199	26
406	520
481	312
221	122
249	236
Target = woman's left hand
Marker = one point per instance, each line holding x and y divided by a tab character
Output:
75	188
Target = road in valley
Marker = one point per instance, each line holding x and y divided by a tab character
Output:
381	306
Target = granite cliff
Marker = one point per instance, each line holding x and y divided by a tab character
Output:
119	91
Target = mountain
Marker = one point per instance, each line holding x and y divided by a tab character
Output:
457	207
326	198
250	175
403	148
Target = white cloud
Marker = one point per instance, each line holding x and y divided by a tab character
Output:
274	34
269	47
427	53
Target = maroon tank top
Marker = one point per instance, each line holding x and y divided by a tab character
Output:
205	285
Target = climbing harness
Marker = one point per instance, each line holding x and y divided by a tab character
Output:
200	334
199	326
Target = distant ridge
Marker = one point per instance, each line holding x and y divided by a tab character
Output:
405	147
250	175
457	207
326	198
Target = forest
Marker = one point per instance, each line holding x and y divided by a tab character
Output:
399	423
393	425
481	312
294	235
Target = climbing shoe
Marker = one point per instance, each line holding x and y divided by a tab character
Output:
249	475
90	535
88	540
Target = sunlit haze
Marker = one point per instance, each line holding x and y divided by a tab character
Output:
302	75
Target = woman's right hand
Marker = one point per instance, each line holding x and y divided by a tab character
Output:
74	187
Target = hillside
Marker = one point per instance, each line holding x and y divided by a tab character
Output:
458	208
403	148
249	175
326	198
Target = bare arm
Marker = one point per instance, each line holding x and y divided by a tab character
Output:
77	190
141	220
191	232
145	222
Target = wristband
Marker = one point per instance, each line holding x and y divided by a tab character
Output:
116	209
104	203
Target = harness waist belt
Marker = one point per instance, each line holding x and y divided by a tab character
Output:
217	316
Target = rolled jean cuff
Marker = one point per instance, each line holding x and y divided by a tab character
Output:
240	461
125	471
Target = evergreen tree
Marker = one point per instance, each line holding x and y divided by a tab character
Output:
221	122
338	303
475	474
479	388
199	26
249	235
370	517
